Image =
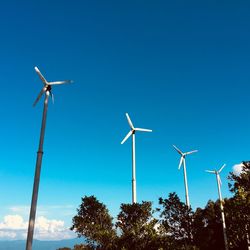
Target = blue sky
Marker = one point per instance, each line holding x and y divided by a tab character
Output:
180	68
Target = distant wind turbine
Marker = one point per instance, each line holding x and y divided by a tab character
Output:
47	91
183	162
219	183
132	132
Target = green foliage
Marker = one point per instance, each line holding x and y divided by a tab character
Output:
83	247
236	223
176	219
94	222
241	183
238	209
137	227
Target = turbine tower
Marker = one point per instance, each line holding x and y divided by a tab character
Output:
132	132
47	91
219	183
183	162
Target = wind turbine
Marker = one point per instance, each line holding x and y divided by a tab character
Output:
47	91
132	132
219	183
183	162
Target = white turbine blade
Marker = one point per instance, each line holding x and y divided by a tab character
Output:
210	171
39	96
130	122
181	161
178	150
59	82
127	136
41	76
221	168
219	180
143	129
191	152
52	97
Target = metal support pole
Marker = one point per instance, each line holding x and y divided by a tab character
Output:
186	184
222	213
37	177
133	170
247	236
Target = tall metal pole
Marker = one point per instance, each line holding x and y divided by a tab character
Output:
185	181
37	177
133	169
247	236
222	212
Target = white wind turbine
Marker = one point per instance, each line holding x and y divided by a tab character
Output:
47	91
132	132
183	162
219	183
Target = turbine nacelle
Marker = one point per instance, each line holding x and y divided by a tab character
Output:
133	129
183	155
47	86
217	173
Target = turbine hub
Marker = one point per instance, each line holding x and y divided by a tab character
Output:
48	88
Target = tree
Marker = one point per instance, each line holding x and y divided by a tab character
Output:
207	224
82	247
239	207
94	222
176	218
241	183
137	227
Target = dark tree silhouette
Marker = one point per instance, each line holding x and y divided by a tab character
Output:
239	208
176	218
207	224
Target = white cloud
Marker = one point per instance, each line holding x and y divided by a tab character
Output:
13	222
51	229
237	168
14	227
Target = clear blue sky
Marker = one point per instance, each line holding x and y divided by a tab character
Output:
180	68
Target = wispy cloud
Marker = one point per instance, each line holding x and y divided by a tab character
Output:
44	210
24	210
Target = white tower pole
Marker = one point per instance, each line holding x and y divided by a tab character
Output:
133	169
222	211
37	177
132	132
185	182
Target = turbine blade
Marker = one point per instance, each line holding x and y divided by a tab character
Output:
219	180
221	168
178	150
127	136
210	171
143	129
41	76
52	97
130	122
191	152
60	82
39	96
181	161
